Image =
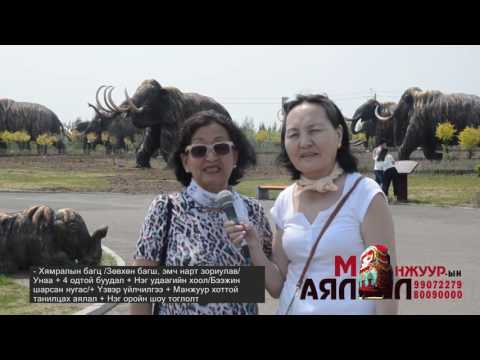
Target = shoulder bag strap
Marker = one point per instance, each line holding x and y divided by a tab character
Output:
312	251
163	254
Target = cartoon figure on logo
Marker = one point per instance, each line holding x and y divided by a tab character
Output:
376	274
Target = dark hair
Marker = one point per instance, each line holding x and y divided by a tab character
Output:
382	154
345	158
246	153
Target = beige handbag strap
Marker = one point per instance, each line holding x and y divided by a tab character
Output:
314	248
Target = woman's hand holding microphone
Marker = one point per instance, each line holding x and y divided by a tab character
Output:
238	232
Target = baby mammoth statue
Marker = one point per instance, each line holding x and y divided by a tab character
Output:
40	236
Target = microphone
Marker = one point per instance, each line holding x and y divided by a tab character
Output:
225	202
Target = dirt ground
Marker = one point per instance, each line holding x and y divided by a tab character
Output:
122	175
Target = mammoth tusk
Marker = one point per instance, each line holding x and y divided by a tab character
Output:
358	125
108	91
131	104
379	117
280	114
112	103
98	101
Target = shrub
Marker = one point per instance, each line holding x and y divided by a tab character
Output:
6	136
275	138
46	139
91	137
445	132
261	136
105	136
469	138
360	137
75	135
21	136
127	141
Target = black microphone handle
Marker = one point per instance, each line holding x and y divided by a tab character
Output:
231	214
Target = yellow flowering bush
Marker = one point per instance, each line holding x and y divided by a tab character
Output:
445	132
469	138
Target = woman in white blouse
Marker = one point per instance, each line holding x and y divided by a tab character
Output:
390	173
315	150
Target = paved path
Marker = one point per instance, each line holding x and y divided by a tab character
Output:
426	235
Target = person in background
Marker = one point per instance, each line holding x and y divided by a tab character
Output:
378	165
390	174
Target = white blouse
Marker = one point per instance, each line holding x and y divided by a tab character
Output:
342	238
377	165
389	162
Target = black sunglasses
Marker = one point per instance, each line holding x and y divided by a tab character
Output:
200	150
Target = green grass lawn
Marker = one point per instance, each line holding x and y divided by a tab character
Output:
16	179
15	298
442	190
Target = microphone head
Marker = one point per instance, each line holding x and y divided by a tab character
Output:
224	199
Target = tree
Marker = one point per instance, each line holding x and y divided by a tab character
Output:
248	129
273	135
275	138
261	137
274	129
469	138
445	132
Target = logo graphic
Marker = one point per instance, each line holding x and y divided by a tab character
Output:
376	274
375	281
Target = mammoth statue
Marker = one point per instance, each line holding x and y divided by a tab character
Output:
418	113
115	123
35	119
373	119
413	121
161	111
40	236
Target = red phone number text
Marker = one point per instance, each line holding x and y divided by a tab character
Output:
437	284
437	294
448	289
